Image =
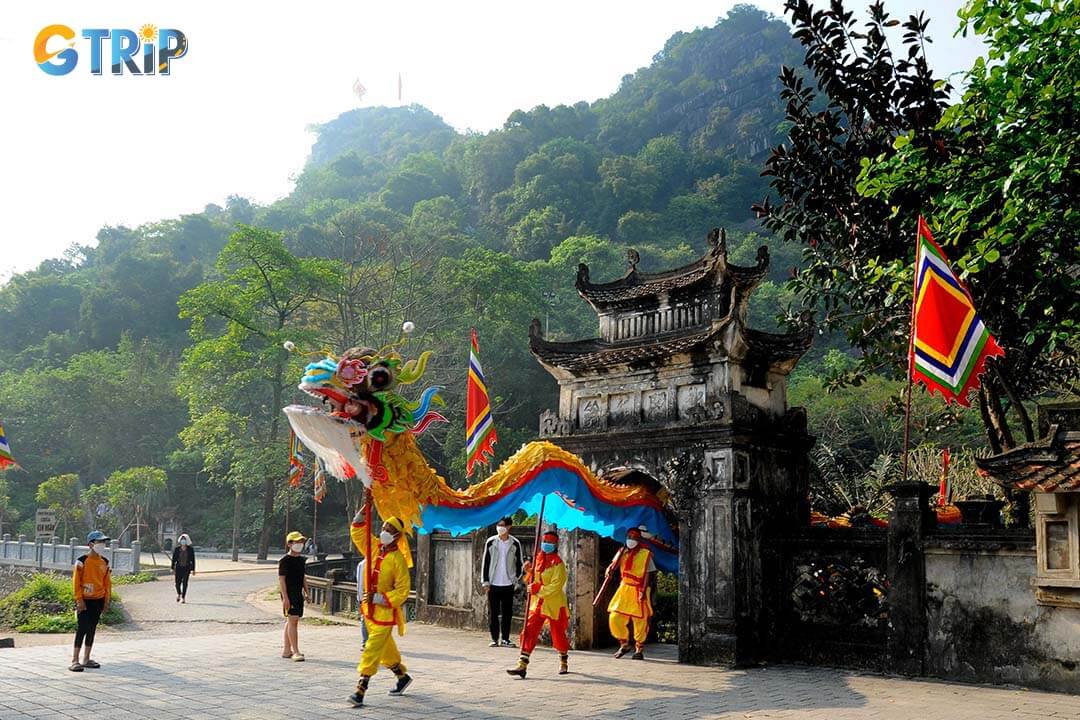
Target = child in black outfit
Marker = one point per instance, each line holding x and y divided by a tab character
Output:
292	582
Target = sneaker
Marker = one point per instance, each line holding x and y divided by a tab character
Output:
404	680
356	699
638	656
297	657
507	643
493	643
177	598
75	667
183	601
623	649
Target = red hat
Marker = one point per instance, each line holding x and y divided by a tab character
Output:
551	535
633	533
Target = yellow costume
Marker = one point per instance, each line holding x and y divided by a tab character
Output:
632	603
390	577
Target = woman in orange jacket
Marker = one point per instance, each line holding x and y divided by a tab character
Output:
91	580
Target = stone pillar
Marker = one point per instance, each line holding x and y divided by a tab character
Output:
39	553
73	545
909	522
136	555
583	562
114	545
19	548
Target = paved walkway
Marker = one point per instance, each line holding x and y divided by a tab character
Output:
207	667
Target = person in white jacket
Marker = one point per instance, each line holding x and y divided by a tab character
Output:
499	574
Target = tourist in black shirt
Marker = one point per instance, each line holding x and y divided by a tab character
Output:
183	566
292	582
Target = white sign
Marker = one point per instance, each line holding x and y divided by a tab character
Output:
46	524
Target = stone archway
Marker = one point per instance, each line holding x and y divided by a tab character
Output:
676	383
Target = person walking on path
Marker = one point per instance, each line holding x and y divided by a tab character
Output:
501	567
292	582
547	588
183	566
386	588
91	580
631	605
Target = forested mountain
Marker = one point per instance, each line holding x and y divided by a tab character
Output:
411	220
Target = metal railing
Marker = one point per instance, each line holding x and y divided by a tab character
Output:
54	555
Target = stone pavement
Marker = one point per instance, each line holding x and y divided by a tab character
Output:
239	675
217	657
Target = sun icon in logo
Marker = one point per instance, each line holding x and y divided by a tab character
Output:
148	33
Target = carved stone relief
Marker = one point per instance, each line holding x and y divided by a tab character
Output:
590	413
621	409
656	405
690	399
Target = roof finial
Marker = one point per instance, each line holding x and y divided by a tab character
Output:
632	258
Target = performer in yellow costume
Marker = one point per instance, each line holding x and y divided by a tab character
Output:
386	587
546	578
632	604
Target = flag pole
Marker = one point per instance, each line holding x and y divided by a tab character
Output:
533	575
911	353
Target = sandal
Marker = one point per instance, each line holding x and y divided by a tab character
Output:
75	667
298	657
92	664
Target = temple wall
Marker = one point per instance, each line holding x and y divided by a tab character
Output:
983	624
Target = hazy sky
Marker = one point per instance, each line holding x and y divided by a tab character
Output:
80	151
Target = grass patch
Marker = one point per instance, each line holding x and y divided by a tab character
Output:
134	579
313	620
46	604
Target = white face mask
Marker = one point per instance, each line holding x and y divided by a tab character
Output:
631	544
99	547
386	538
183	542
502	530
297	547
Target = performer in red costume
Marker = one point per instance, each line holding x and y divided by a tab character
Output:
546	579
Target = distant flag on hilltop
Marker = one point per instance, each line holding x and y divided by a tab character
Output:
320	482
359	90
399	87
479	429
949	343
6	458
296	460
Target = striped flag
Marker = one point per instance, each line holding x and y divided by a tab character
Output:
6	458
296	460
479	429
320	482
949	343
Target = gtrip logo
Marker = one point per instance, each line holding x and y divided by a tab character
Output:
148	51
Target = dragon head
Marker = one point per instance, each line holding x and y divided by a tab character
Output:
361	387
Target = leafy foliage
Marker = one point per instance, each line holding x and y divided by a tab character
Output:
46	604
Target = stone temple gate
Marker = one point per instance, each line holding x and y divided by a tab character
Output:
677	387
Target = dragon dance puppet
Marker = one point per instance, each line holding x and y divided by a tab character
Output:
367	430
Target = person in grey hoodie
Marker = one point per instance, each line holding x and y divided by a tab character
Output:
499	575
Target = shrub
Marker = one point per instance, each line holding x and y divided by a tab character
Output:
46	604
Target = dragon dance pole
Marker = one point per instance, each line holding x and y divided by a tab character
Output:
532	572
367	559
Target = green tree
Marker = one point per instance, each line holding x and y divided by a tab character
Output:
129	494
61	494
237	367
1000	178
8	513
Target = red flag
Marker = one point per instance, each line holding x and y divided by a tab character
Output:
949	343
